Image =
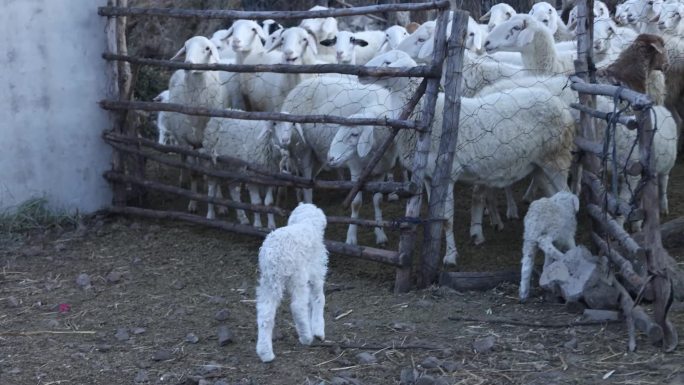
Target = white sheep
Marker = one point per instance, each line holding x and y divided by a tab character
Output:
492	150
639	15
610	39
164	137
194	88
322	29
293	258
497	14
266	91
547	15
252	141
393	36
525	34
357	47
550	226
601	11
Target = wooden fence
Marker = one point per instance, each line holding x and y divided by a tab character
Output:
131	151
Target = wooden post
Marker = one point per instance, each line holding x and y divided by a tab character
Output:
407	239
433	237
655	252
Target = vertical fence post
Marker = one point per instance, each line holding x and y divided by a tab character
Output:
655	252
441	181
407	240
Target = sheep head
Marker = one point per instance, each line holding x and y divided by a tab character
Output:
309	214
350	140
393	36
295	42
414	44
497	14
634	65
394	59
345	44
513	35
546	14
198	50
670	16
243	33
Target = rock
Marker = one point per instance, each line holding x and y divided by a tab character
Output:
178	284
209	370
442	381
339	381
121	334
366	358
138	330
407	376
113	277
424	303
220	382
162	355
191	338
538	347
484	345
103	348
403	326
12	301
144	364
430	363
204	382
217	300
167	377
135	226
572	344
83	281
600	315
141	377
425	380
450	366
52	323
225	335
222	315
14	371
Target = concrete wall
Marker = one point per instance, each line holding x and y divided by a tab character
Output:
52	76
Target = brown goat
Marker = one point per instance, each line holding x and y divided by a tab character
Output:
633	67
412	27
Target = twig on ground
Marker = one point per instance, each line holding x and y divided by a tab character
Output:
533	324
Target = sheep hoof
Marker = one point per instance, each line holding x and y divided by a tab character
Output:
266	356
192	207
211	216
393	197
222	210
499	226
244	221
449	260
320	337
512	215
351	241
477	238
381	238
305	340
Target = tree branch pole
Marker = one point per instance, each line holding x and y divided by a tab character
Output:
634	280
433	235
656	254
367	253
638	100
408	236
402	189
358	70
377	155
236	114
628	121
610	226
614	206
282	15
632	168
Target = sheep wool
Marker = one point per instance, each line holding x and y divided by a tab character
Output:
293	257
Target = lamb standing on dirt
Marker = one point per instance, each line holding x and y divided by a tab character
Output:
293	257
550	225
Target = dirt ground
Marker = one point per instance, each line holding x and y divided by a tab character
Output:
160	293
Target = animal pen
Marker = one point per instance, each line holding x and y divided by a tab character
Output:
652	282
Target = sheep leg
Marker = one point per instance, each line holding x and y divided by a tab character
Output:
491	204
268	298
451	252
355	208
531	191
551	253
234	189
223	210
529	251
391	197
476	213
181	175
301	298
380	236
192	205
255	199
663	180
317	305
211	192
307	171
511	205
268	202
551	180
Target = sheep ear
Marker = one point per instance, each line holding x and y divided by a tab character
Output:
365	144
229	33
486	16
300	131
178	54
264	132
508	15
525	36
427	49
572	25
657	48
312	43
384	44
655	19
278	42
329	24
360	42
329	42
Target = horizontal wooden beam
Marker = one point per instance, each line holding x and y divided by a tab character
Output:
638	100
624	265
114	105
264	177
631	167
367	253
358	70
628	121
615	230
614	206
261	15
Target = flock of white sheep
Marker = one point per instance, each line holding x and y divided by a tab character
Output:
515	117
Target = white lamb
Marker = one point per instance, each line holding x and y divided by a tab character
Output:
252	141
550	226
609	40
357	47
601	11
639	15
525	34
165	137
322	29
293	258
393	36
547	15
497	14
194	88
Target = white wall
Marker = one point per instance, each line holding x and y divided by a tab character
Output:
51	77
